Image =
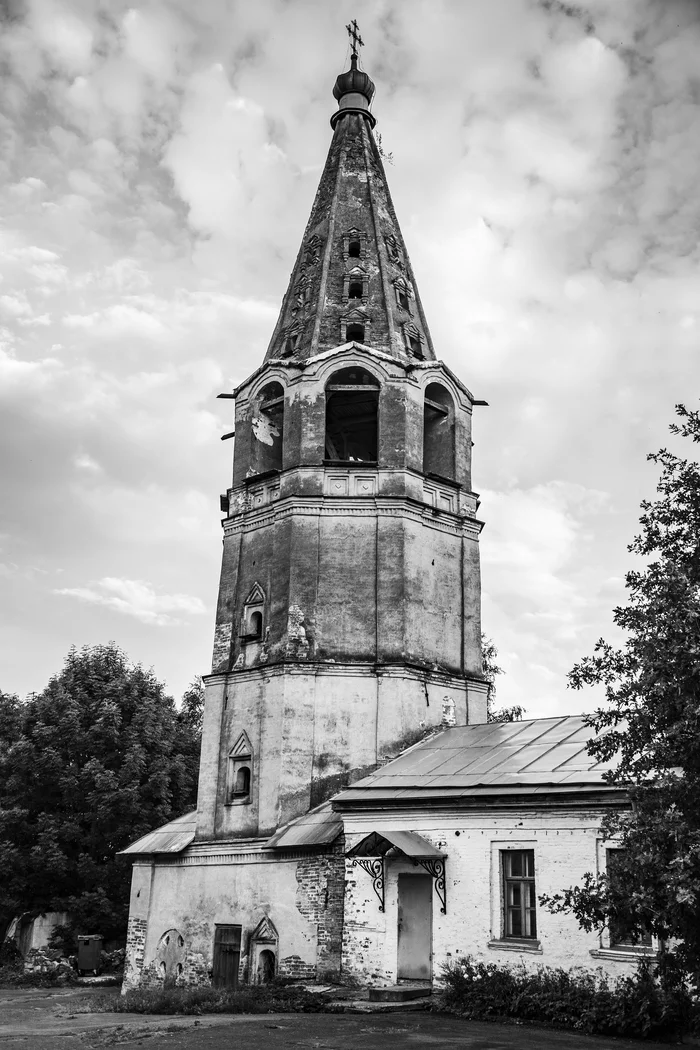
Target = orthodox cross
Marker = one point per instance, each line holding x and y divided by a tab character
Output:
355	38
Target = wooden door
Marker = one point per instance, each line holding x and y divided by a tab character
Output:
415	927
227	956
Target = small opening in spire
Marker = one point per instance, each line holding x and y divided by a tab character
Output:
354	249
414	345
402	298
356	332
355	290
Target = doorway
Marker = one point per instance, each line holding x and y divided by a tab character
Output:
227	956
415	921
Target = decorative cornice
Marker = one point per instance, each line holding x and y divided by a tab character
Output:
366	507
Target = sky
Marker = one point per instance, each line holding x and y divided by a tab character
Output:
158	161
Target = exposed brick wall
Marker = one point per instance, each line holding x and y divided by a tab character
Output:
135	945
320	898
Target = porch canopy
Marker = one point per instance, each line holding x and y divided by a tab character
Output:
378	844
370	853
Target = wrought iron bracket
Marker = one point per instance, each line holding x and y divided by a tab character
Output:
374	866
436	868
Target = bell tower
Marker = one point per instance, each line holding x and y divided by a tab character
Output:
348	618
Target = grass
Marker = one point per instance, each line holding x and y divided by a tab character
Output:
265	999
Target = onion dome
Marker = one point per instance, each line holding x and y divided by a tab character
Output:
354	82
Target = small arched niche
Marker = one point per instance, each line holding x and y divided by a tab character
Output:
268	428
438	432
264	950
352	411
240	771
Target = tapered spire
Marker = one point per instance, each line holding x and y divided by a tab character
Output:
352	279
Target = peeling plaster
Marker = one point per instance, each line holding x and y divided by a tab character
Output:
265	431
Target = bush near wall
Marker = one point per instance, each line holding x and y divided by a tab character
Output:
651	1003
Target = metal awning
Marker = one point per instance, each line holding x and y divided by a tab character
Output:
378	844
371	852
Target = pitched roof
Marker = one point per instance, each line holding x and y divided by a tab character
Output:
496	757
172	837
319	827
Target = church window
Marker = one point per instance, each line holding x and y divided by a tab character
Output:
291	342
413	340
438	432
403	295
355	290
355	331
354	244
268	429
352	408
519	902
240	771
253	618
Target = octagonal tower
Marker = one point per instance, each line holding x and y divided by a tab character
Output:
348	618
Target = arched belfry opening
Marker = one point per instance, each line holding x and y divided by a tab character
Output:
352	416
438	432
268	428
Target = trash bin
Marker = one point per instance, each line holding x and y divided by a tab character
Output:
89	953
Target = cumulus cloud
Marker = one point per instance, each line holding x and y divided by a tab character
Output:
158	168
138	599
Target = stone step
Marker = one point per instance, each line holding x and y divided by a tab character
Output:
399	993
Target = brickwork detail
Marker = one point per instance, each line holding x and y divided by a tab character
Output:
222	647
135	947
320	899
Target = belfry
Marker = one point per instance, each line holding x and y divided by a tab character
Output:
348	618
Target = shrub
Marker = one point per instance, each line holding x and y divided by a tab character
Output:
263	999
651	1003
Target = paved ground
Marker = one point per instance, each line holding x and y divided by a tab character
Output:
34	1019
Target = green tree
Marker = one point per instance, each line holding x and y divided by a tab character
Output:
651	724
489	654
96	760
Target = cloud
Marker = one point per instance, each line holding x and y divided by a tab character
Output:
138	599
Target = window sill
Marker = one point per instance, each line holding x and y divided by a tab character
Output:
631	954
239	801
533	947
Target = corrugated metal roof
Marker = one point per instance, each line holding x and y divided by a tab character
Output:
542	753
171	838
378	843
319	827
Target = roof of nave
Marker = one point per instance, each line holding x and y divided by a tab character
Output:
352	243
496	758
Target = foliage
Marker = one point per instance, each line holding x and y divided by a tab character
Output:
640	1005
489	654
96	760
277	997
651	724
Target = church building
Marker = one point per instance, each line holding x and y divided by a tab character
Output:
357	816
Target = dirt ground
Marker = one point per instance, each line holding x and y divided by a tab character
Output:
37	1019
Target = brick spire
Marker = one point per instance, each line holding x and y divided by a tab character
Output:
352	279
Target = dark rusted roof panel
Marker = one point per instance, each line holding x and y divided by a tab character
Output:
535	755
318	828
170	838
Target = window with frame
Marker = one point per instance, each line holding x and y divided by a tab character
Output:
519	901
240	772
622	934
